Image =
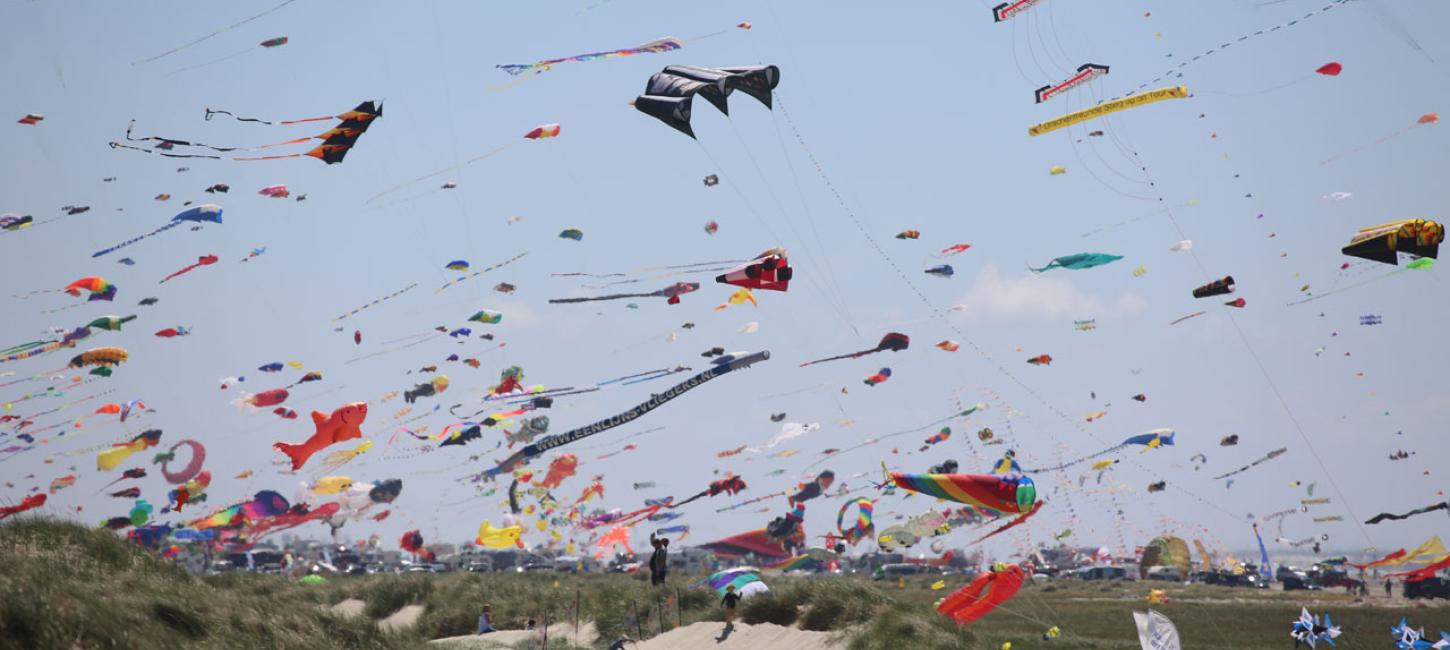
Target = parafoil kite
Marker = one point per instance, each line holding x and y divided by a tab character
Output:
206	212
893	341
1105	108
1078	261
670	93
770	270
983	594
1417	237
343	424
1007	10
572	233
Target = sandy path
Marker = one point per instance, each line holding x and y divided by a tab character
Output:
752	637
506	638
350	608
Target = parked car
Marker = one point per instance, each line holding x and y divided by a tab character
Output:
1164	573
1103	573
1428	588
1298	582
898	570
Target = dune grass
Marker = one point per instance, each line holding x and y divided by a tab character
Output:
64	586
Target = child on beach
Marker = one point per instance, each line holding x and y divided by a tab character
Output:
729	601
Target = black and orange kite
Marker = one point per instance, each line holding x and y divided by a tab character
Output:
336	142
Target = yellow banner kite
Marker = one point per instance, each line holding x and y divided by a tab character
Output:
1174	92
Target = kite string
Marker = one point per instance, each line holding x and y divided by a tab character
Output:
215	33
1258	362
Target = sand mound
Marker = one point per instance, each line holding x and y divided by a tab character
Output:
507	638
402	618
350	608
753	637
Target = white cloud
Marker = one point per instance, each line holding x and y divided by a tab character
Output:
1041	296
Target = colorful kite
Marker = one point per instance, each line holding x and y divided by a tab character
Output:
983	594
1085	73
657	46
343	424
1416	237
770	270
204	260
1078	261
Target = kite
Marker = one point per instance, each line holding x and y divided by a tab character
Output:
342	424
457	265
1331	69
13	222
879	378
263	399
984	593
482	271
1078	261
487	317
110	459
720	366
740	297
31	119
770	270
672	292
221	188
1008	10
274	42
491	537
543	131
941	270
1182	246
1236	302
1427	118
1150	440
893	341
949	345
128	493
909	234
192	468
1215	288
863	528
206	212
97	286
1406	515
670	93
275	192
1417	237
572	233
656	46
1184	318
336	142
1267	457
1371	319
204	260
730	485
1085	73
438	384
1041	360
1056	170
1085	325
1008	493
110	323
1408	638
100	357
1113	106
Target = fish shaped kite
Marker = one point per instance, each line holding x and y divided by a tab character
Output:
343	424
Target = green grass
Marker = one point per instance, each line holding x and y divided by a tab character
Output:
64	586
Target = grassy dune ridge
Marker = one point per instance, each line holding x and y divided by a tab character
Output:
64	586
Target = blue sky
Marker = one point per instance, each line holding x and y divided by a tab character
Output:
918	117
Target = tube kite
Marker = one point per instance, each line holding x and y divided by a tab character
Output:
983	594
893	341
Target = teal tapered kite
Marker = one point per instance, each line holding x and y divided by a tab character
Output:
1078	261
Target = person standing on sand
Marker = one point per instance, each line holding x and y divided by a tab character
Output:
1388	592
730	600
659	560
485	620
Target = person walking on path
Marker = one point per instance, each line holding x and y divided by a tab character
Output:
730	600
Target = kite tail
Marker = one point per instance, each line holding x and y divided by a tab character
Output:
117	145
835	358
290	155
697	496
1020	519
612	296
1050	265
210	113
173	141
106	251
297	453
